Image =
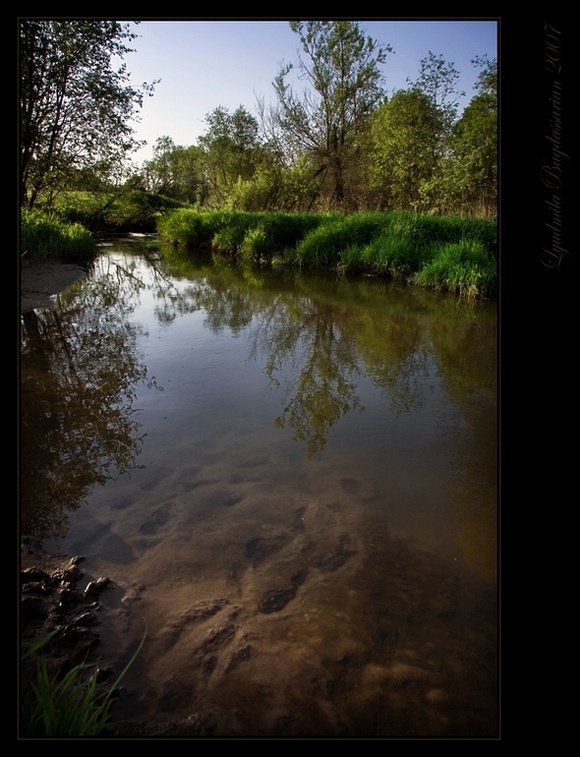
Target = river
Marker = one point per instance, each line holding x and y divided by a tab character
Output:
291	479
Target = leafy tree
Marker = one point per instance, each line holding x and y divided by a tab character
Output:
232	149
469	173
176	172
342	68
404	136
75	106
437	80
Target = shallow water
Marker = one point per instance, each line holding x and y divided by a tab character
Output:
290	478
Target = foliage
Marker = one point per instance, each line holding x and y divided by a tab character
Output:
404	150
342	68
45	235
75	106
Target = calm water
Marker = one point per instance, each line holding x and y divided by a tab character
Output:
291	478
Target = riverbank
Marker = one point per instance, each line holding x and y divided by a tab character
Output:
39	282
447	253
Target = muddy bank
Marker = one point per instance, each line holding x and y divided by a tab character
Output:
39	282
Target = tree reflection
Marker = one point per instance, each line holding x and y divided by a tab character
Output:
459	339
312	334
79	370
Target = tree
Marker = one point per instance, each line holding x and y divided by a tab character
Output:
232	150
469	175
404	137
437	80
342	68
75	106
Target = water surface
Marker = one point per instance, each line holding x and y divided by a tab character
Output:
291	478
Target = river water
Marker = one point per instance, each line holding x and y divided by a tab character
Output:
291	479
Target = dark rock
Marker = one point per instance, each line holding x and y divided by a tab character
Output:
71	574
96	587
32	608
259	549
86	618
242	654
336	559
276	599
202	610
37	587
29	575
216	638
66	597
103	673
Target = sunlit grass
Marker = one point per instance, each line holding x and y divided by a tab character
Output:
46	236
465	268
452	253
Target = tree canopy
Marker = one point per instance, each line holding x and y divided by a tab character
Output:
76	107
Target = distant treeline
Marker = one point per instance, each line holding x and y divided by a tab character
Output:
333	140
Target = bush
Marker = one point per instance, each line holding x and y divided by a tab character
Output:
45	236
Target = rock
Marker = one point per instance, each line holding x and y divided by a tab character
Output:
276	599
259	549
71	574
202	610
29	575
68	596
216	638
96	587
239	656
86	618
336	559
32	608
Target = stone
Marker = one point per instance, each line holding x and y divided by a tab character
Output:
96	587
277	599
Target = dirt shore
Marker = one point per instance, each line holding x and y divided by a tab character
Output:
39	282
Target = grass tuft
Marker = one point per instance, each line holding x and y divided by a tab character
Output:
465	268
72	705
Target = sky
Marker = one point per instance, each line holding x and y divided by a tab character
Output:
204	64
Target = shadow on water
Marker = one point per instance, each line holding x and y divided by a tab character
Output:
79	371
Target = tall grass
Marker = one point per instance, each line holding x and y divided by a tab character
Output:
45	236
465	268
444	252
72	705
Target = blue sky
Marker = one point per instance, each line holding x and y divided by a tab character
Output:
203	64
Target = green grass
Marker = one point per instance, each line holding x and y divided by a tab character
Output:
449	252
465	268
72	705
46	236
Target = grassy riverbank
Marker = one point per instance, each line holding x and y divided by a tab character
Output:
448	253
47	236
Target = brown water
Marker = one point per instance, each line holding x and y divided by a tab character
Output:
290	478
